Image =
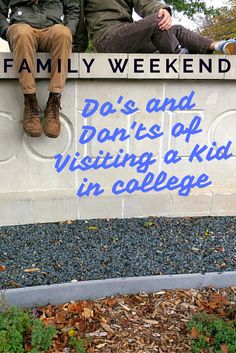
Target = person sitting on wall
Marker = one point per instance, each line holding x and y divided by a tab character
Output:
80	39
113	30
36	25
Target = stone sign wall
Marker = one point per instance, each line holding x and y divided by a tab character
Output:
31	190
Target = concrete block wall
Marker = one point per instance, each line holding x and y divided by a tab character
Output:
31	191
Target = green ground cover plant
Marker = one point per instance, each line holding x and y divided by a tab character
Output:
79	345
210	333
20	329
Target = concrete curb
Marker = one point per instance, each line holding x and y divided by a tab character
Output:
62	293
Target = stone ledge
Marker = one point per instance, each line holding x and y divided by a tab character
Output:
62	205
89	290
136	66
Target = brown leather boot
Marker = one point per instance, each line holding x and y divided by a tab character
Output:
52	125
31	121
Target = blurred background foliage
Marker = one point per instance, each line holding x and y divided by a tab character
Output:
222	25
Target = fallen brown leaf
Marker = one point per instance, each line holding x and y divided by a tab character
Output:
101	345
111	302
2	268
87	313
107	328
194	333
32	270
224	348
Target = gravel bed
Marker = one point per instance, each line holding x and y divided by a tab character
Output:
100	249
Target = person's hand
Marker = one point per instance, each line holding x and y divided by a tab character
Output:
166	22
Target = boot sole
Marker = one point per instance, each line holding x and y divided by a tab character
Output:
50	135
230	49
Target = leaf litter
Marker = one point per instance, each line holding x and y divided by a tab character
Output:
142	323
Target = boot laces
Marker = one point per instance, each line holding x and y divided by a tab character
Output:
54	106
33	107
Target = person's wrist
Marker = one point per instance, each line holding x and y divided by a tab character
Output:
166	12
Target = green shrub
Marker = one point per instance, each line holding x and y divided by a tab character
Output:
41	336
17	325
211	333
79	345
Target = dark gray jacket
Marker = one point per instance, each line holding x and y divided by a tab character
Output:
39	13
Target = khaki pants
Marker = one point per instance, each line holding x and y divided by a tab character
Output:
25	41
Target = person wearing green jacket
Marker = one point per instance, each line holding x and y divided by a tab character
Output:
80	39
112	29
40	25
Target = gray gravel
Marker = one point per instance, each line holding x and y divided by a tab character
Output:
99	249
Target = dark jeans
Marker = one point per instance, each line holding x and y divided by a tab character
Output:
144	36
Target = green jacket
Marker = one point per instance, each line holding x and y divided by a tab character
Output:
104	15
80	40
39	13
